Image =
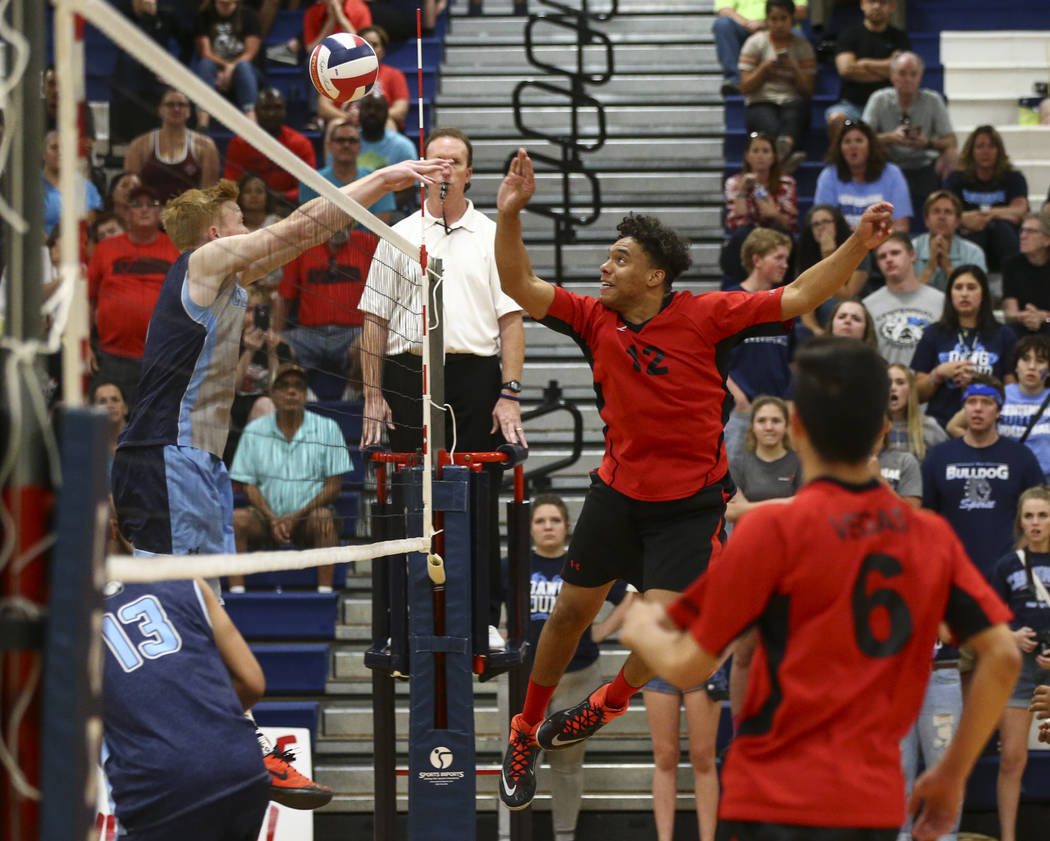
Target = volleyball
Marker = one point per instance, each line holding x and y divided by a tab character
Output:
343	67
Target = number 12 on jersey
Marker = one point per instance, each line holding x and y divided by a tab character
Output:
144	617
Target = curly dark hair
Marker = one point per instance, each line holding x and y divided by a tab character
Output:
667	249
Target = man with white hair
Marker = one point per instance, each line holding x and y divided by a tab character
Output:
913	124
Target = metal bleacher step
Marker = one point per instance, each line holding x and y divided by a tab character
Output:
622	29
506	7
620	187
588	257
694	57
621	120
637	87
615	153
690	221
349	665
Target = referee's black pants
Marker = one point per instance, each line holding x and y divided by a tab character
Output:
472	386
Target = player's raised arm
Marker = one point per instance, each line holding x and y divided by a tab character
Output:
512	260
254	255
820	282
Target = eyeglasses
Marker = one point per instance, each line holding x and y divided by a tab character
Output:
144	203
1030	230
353	141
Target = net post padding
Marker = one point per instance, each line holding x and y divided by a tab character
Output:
172	567
132	40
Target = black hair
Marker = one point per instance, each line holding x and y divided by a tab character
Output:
878	157
666	249
841	393
807	253
455	133
986	322
1034	341
787	5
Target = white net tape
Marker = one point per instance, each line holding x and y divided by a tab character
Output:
172	567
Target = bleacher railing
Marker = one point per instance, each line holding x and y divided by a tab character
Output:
572	145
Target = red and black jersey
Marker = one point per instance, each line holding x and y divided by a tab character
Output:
661	385
124	281
329	285
846	586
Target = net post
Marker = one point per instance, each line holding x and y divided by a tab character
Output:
436	357
69	72
72	727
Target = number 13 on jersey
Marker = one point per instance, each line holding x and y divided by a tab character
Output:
145	617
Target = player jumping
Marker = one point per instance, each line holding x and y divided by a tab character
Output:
654	513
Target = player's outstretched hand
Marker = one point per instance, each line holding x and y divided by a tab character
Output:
643	617
403	175
876	225
518	184
940	796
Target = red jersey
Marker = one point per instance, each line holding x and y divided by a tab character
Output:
124	282
329	286
660	386
356	11
846	586
242	157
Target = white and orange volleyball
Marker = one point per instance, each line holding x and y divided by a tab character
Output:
343	67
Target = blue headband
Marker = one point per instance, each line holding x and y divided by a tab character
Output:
983	390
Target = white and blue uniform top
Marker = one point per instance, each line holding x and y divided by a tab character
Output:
168	697
189	366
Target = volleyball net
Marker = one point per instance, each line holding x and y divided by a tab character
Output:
307	313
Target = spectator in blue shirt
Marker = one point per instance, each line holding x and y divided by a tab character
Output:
975	481
343	144
966	341
53	198
859	175
292	464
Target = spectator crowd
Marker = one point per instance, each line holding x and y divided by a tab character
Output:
957	302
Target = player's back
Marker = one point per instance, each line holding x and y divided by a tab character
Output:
168	701
188	367
858	583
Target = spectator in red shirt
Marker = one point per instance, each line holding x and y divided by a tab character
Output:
124	279
242	157
326	17
327	282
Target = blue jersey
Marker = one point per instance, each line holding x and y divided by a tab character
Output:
188	367
976	490
1012	580
988	352
175	734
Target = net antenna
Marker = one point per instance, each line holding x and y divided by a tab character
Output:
123	32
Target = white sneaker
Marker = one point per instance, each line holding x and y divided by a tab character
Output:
496	641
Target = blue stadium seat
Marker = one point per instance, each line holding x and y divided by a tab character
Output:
346	413
288	24
1035	784
267	616
294	669
292	579
404	56
289	714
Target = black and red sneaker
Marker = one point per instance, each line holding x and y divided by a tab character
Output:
517	782
572	726
290	788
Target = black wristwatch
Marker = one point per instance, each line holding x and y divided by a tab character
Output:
513	386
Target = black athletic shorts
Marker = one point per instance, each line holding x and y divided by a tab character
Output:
652	545
755	831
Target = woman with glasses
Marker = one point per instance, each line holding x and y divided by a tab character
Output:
760	195
824	230
994	195
859	174
1026	277
173	158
